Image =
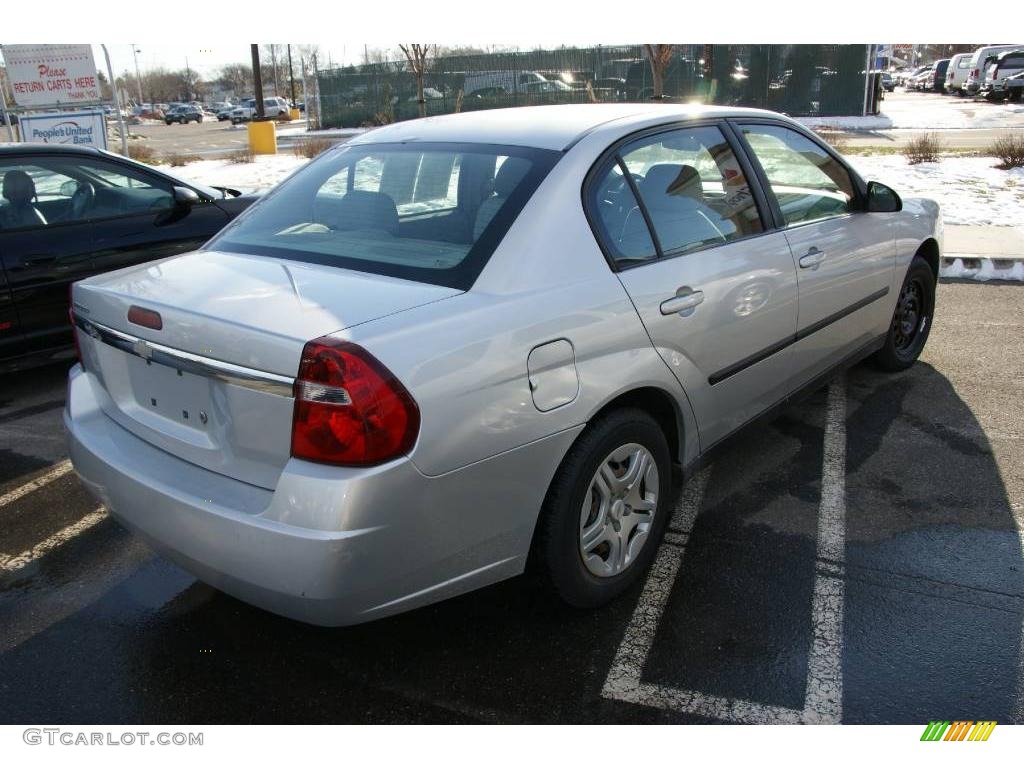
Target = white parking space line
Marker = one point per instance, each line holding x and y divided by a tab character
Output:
823	702
55	472
11	563
823	696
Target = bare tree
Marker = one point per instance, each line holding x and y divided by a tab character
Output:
660	56
418	55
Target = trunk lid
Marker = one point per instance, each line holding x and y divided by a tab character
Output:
212	386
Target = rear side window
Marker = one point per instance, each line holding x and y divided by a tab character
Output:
691	190
428	212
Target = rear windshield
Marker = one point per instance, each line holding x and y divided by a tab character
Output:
427	212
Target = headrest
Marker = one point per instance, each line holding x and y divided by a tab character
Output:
674	180
509	175
359	209
19	188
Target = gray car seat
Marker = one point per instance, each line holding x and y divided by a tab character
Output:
19	191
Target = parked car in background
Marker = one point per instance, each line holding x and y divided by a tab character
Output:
682	79
70	212
980	61
914	80
1006	65
380	387
1014	87
506	81
937	83
273	107
225	113
888	84
917	82
956	73
186	113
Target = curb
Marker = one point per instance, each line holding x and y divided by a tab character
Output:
969	266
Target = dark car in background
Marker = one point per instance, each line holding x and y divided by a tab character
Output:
682	79
938	79
70	212
186	113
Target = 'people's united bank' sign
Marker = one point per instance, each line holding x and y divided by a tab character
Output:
85	129
45	75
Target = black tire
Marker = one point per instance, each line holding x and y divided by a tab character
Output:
555	558
912	319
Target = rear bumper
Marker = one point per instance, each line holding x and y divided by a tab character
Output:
329	546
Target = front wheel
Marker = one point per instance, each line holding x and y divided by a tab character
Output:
606	510
912	319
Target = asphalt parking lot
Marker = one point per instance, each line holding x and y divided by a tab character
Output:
858	559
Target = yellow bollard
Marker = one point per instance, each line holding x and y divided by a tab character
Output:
294	113
262	138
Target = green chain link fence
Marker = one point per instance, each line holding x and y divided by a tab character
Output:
819	80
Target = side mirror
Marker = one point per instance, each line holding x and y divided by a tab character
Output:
185	198
883	199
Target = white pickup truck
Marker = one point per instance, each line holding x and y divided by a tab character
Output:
273	107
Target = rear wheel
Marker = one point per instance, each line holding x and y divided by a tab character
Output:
912	319
606	510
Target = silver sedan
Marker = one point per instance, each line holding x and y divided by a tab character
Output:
459	348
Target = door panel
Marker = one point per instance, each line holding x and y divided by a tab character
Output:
845	257
726	351
132	240
10	330
717	294
41	263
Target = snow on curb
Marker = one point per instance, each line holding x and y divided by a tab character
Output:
983	269
848	123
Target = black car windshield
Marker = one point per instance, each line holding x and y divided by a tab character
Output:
432	212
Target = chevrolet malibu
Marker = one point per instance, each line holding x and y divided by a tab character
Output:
456	349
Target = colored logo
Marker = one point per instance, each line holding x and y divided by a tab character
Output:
959	730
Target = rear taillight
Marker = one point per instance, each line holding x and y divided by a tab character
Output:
349	408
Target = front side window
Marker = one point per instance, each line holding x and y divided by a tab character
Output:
50	191
427	212
808	183
692	188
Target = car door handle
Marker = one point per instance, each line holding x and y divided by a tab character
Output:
678	304
812	258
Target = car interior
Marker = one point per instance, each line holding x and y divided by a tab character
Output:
423	209
693	192
45	193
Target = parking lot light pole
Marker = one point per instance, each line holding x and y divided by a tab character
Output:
117	102
291	73
138	77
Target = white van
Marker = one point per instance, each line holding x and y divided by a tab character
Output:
956	73
1006	65
980	62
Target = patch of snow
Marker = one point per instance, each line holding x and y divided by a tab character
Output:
983	270
848	123
932	112
969	190
260	175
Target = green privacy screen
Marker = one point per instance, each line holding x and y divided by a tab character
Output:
820	80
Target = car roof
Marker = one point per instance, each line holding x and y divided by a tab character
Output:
12	148
554	127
